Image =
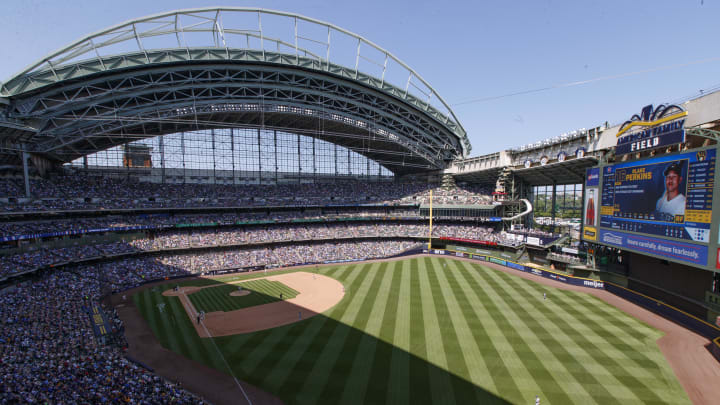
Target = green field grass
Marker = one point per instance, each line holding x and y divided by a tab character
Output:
261	292
415	332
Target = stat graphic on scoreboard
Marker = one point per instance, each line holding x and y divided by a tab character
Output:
669	196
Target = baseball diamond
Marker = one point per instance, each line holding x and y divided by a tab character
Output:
217	298
415	331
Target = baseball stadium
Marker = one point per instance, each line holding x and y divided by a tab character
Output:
235	205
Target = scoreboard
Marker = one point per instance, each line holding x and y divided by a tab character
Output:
661	206
631	195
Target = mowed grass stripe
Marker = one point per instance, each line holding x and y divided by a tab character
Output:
487	368
398	385
512	378
196	348
142	302
464	356
175	321
271	345
462	390
244	342
634	363
264	349
633	386
377	385
536	344
617	327
264	287
615	343
440	384
541	381
605	386
172	326
304	347
611	328
635	366
619	346
146	303
619	322
218	298
419	368
319	357
215	302
362	365
163	325
344	363
307	383
578	382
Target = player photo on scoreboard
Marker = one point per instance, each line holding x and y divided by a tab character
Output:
671	202
652	191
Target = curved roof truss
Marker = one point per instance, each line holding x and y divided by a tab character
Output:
135	76
114	109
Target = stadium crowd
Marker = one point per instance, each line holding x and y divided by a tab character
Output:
81	191
286	255
49	352
183	238
165	220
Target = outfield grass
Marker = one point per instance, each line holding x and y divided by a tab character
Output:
261	292
414	331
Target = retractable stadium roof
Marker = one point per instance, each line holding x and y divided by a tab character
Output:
227	67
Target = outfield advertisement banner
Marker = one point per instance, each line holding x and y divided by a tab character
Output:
515	266
469	250
685	252
79	232
474	241
582	282
533	240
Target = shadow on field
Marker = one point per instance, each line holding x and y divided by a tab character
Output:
315	360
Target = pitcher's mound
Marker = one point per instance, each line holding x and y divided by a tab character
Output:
240	293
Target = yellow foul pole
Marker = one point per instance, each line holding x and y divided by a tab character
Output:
430	233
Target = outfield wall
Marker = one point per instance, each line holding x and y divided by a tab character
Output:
675	284
677	315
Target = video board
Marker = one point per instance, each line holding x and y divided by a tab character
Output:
668	196
591	204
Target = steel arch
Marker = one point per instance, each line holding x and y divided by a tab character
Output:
67	94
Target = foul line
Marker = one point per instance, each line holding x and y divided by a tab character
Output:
221	356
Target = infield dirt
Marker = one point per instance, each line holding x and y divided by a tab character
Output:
317	294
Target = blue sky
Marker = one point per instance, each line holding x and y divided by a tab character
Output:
470	50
